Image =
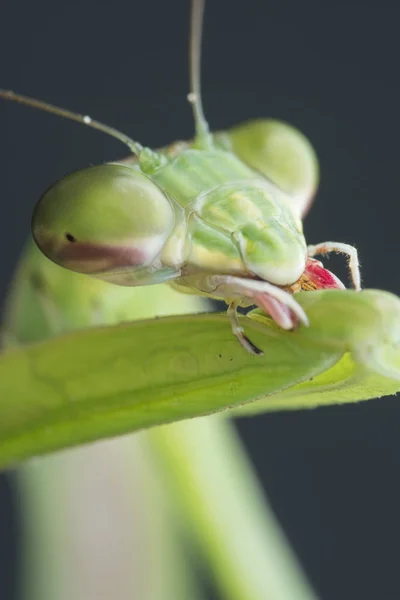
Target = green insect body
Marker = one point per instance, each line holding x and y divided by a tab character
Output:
233	221
219	216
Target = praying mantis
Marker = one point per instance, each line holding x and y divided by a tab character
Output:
219	216
264	147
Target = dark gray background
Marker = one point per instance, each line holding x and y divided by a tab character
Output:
330	68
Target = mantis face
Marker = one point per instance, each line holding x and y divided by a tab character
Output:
103	218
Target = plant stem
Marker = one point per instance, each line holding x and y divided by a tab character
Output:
217	495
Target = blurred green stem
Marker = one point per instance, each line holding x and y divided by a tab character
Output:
97	526
218	495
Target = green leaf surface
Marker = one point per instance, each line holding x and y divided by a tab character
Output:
106	381
200	461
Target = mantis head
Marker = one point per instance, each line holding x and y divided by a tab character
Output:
110	217
103	218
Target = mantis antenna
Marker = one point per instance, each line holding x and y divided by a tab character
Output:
196	26
135	147
202	130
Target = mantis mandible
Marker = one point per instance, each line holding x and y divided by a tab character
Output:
219	216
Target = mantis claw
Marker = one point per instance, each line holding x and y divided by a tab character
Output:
280	305
238	331
250	347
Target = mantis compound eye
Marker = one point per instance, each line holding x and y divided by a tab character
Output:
281	153
101	218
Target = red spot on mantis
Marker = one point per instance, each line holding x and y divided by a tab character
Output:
321	277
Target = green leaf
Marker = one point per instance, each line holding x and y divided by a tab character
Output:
367	326
102	382
200	461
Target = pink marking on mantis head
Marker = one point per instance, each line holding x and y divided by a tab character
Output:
92	258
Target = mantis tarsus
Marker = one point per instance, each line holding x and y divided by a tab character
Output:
218	216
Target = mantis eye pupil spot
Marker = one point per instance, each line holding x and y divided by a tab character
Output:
70	237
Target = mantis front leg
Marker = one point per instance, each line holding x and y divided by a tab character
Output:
350	251
238	331
280	305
